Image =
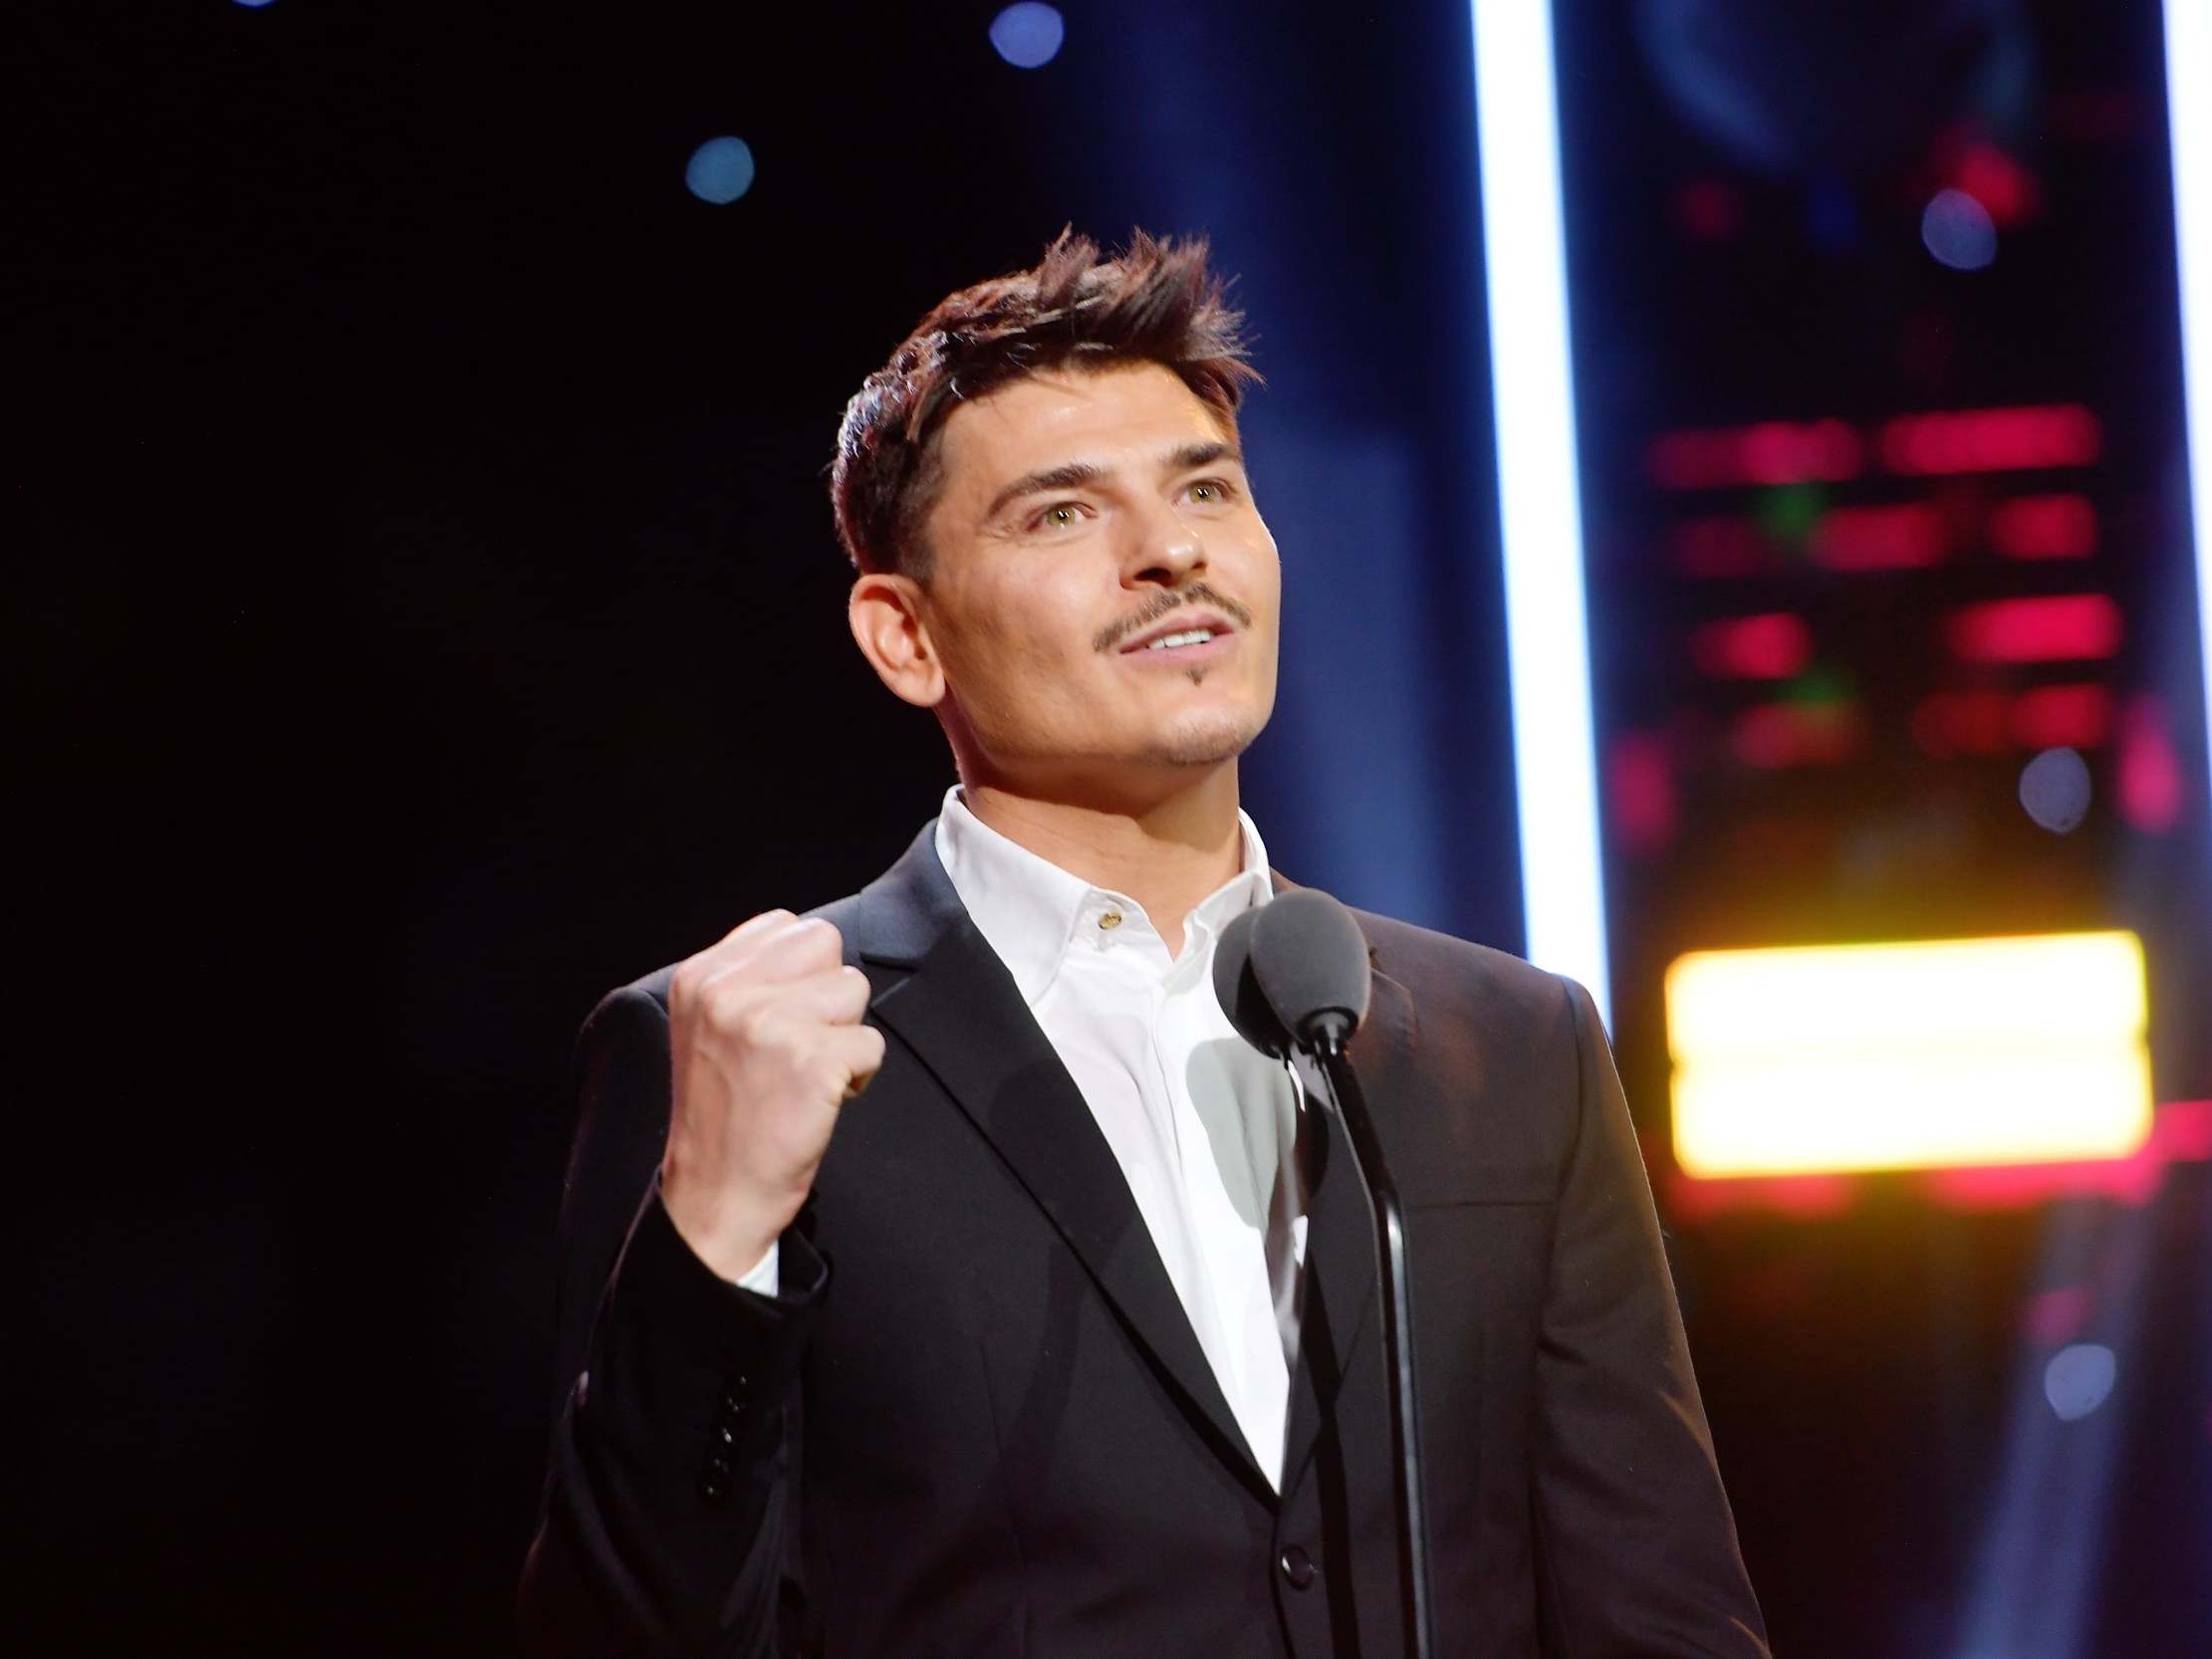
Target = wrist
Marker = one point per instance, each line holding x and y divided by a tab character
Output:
730	1235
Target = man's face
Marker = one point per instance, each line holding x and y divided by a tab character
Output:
1086	517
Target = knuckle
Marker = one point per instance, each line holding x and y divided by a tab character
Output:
752	1024
726	1010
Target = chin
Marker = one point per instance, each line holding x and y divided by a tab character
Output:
1205	741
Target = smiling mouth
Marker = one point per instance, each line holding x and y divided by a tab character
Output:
1210	612
1199	635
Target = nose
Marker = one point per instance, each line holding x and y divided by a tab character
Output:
1164	548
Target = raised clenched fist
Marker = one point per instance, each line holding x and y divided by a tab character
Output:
766	1043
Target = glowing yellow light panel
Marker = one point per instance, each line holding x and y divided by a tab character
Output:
1835	1057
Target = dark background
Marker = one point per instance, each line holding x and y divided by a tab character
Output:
428	616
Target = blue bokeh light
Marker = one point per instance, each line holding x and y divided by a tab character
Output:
1027	36
1958	231
2054	788
255	4
2079	1378
720	170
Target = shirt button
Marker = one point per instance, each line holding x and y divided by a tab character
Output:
1297	1567
1111	920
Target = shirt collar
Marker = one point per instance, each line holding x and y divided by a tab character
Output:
1029	910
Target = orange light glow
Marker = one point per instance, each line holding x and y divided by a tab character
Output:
1935	1055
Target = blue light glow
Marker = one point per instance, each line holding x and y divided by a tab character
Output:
2054	788
2190	111
720	170
1958	231
1027	36
2079	1378
1539	492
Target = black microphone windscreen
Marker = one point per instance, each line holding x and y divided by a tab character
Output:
1242	1000
1311	960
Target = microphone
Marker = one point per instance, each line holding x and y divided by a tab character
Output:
1238	988
1311	961
1295	974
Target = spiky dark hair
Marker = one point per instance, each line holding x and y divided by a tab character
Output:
1155	301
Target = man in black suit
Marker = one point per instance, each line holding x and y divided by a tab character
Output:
1061	1341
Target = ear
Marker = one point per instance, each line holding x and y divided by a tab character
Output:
886	617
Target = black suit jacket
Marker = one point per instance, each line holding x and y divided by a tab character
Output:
977	1424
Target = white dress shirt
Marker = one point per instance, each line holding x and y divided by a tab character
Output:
1203	1125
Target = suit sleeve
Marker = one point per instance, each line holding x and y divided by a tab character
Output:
1636	1544
668	1516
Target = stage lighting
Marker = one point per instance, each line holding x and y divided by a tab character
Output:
2079	1378
720	170
1921	1055
1958	231
2189	112
1554	757
1029	35
2054	789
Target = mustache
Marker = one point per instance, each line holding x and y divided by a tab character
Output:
1198	593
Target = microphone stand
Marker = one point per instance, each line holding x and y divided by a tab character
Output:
1367	1162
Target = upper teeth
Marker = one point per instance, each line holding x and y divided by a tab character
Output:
1189	636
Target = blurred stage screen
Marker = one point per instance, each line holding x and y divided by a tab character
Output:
1898	708
1892	597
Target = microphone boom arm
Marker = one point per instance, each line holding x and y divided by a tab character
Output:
1394	1280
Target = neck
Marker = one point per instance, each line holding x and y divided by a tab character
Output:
1167	851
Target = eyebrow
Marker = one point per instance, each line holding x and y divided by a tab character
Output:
1074	475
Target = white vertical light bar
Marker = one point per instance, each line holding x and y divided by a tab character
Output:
1540	506
2189	118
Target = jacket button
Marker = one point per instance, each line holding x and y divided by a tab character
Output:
1297	1567
736	1394
714	1484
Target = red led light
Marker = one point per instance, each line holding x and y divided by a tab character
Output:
2057	1315
1639	788
1992	440
2044	526
1709	209
2062	716
1803	1196
2151	781
1771	452
1898	538
1777	735
1770	647
2180	1132
2068	628
2001	184
1962	723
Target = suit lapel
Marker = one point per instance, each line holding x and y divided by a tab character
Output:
1340	1287
958	1009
